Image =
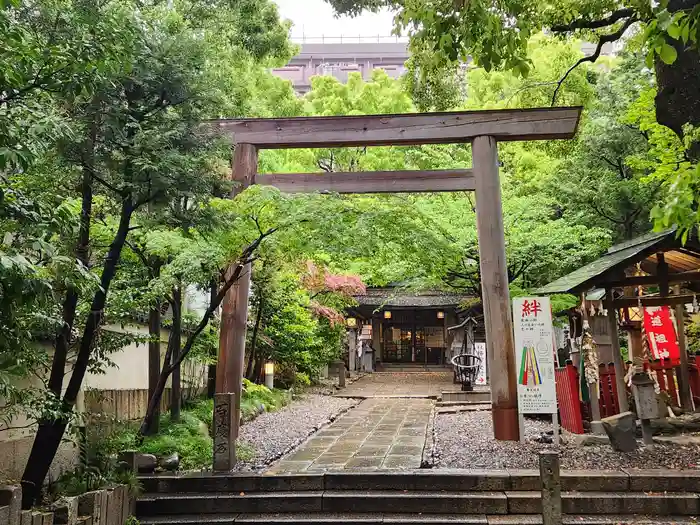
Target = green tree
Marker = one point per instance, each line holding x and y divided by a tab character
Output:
135	140
605	182
430	240
496	36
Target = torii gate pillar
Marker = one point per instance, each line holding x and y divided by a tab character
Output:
494	289
234	318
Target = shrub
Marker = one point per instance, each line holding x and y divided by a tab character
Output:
692	332
98	462
189	438
302	380
259	398
202	409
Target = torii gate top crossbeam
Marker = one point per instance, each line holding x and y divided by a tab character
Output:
404	129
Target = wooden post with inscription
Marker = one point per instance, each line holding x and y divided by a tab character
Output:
234	317
494	289
224	437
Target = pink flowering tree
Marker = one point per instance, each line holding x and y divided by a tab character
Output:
330	293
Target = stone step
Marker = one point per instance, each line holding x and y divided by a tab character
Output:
233	503
321	518
426	480
234	483
649	503
481	396
416	502
462	408
421	480
332	501
601	519
462	403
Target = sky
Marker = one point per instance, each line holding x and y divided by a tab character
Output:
314	18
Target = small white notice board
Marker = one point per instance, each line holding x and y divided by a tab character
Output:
480	350
534	358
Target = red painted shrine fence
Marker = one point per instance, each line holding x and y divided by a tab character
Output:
570	414
573	411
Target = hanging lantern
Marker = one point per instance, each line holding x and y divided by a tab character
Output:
440	314
387	314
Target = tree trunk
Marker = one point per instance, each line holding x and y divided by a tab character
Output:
176	335
154	402
167	367
254	340
258	372
678	97
206	318
50	433
154	358
70	303
211	370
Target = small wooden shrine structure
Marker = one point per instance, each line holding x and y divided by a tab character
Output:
655	269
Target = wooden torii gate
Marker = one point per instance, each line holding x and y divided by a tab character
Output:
483	129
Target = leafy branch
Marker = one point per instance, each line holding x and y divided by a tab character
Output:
612	37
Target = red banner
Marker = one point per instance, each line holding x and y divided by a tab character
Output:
661	333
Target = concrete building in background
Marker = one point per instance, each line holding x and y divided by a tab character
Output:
338	57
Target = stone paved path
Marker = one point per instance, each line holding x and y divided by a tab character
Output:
378	434
401	384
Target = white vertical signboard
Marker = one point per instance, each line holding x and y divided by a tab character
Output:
480	350
534	357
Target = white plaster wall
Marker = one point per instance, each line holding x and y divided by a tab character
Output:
131	370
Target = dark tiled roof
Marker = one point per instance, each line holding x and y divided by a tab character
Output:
398	298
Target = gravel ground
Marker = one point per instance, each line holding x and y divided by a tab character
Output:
273	434
465	440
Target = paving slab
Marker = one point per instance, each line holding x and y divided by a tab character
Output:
400	384
377	434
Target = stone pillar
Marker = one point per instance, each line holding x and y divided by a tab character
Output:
11	498
596	425
352	349
551	488
646	403
340	368
224	432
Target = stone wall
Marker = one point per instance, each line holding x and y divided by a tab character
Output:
111	506
125	405
15	452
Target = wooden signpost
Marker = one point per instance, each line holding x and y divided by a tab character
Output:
484	129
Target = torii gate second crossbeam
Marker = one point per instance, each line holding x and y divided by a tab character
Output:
483	129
